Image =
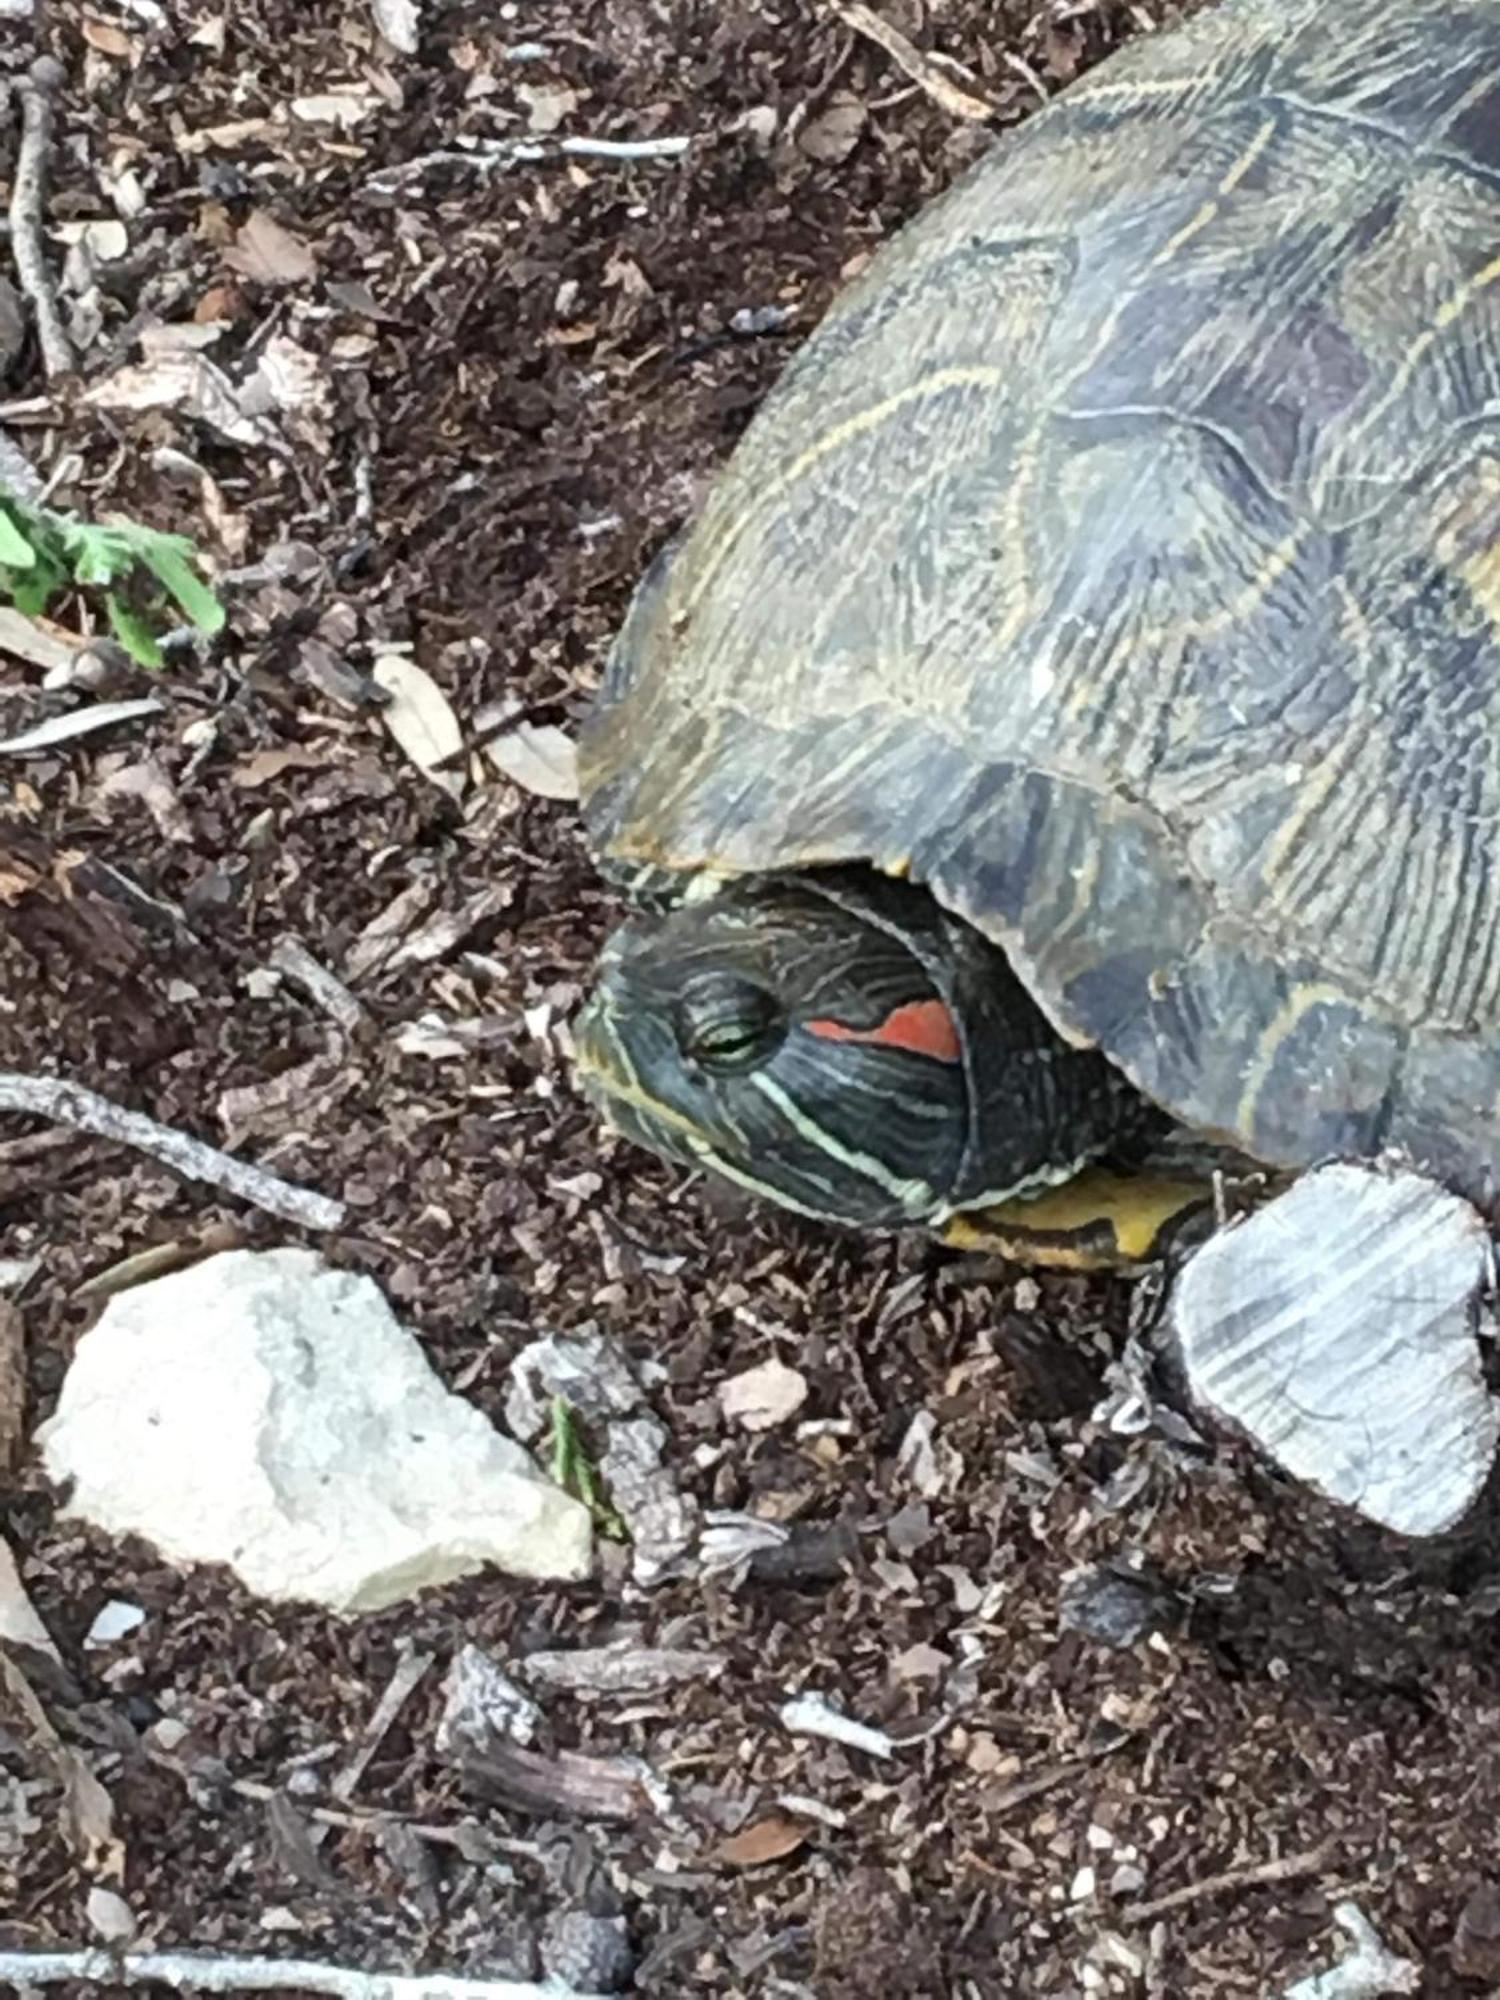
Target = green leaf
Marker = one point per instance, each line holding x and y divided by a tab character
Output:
15	551
574	1471
32	590
97	556
170	566
133	631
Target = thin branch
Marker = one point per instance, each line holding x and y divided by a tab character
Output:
1289	1868
907	56
70	1104
205	1972
497	155
26	201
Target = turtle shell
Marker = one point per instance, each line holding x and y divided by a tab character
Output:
1121	559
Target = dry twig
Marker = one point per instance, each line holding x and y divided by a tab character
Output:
296	963
1288	1868
203	1972
69	1104
496	155
26	200
907	56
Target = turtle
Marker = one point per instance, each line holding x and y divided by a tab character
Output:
1073	716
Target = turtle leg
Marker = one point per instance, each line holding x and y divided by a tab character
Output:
1100	1220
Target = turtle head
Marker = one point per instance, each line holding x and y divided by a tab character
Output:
836	1043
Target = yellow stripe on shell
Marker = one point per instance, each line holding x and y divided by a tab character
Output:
845	433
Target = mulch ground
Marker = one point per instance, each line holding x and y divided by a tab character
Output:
507	386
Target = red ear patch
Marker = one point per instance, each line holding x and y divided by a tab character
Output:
921	1027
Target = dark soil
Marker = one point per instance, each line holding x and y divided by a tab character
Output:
524	376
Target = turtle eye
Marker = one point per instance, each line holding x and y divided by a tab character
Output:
726	1024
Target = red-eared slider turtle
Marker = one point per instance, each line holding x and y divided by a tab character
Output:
1080	697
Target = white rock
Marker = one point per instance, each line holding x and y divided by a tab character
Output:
264	1410
1369	1972
1337	1327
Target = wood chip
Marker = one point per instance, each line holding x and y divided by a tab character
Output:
623	1668
36	641
581	1787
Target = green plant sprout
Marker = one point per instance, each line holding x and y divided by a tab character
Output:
574	1471
138	571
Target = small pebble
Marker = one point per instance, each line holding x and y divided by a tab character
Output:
591	1954
115	1620
110	1916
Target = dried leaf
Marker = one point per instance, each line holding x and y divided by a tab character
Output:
768	1840
833	135
540	759
180	381
290	377
219	304
238	132
920	68
108	40
920	1662
89	1820
262	766
82	722
157	1260
149	783
419	716
270	254
762	1397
